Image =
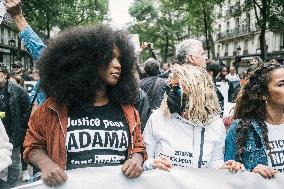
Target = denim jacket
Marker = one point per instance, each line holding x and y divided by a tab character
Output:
255	150
35	47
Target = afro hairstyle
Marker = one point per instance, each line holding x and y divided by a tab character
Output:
69	65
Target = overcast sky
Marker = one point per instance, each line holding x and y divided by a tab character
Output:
118	11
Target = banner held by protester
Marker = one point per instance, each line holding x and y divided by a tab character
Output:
181	178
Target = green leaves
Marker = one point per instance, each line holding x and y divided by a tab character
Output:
44	15
167	22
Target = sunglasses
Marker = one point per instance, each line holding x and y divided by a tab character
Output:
16	66
176	89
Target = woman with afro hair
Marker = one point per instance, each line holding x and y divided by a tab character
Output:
256	137
88	119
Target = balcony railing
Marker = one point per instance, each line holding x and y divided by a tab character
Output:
235	32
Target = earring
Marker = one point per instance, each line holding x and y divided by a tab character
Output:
266	103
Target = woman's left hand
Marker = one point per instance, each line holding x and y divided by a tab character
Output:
132	167
233	166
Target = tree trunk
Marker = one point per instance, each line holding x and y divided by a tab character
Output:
206	30
47	25
262	40
263	44
166	47
212	47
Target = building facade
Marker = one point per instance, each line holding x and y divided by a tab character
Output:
237	34
11	47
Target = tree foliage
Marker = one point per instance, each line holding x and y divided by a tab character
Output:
269	15
159	24
44	15
167	22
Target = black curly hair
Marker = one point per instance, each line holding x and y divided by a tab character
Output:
69	65
251	105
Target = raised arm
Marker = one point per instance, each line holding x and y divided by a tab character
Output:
32	42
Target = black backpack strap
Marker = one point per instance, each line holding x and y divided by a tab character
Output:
34	98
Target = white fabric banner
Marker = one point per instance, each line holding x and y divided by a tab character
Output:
177	178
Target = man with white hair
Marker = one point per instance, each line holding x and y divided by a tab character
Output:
191	51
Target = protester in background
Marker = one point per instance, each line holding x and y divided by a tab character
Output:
222	83
25	176
31	41
186	131
214	69
142	104
18	70
92	96
165	70
5	152
141	72
233	76
256	61
256	135
244	77
15	103
250	71
35	75
153	85
191	51
18	80
234	84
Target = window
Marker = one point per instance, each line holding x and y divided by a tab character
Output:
2	35
235	45
228	27
237	22
218	51
226	49
246	45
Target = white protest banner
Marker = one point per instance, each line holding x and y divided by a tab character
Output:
29	85
177	178
2	11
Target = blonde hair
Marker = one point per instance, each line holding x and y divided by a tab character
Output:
199	88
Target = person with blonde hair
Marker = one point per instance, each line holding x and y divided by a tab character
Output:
186	131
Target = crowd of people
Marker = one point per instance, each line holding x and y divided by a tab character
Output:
95	105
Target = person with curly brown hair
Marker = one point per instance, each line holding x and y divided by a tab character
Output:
256	137
88	119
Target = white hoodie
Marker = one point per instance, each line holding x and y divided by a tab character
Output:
5	149
184	142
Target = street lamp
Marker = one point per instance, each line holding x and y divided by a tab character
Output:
12	44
